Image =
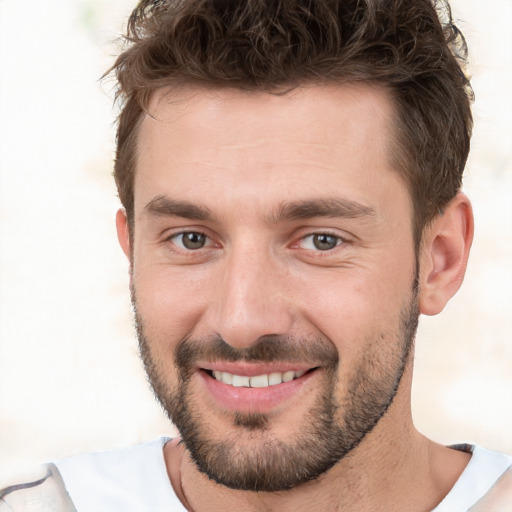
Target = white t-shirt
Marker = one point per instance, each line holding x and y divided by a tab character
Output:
485	484
135	480
129	480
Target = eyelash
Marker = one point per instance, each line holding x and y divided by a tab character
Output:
172	238
180	247
339	240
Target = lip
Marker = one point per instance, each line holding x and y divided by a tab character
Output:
243	399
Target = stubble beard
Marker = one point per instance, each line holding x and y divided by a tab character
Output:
249	456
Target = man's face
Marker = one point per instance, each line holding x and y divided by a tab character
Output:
273	275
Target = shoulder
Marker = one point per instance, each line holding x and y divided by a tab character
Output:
484	485
40	490
499	495
132	479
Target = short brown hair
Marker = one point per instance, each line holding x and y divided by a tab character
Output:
411	47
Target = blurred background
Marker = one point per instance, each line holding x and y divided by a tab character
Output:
70	379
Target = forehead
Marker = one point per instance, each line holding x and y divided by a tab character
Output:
317	108
226	139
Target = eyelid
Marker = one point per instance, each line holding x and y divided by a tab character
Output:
339	240
211	242
170	237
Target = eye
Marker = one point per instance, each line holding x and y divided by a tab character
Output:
321	242
190	240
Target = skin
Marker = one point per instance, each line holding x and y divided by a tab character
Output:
241	157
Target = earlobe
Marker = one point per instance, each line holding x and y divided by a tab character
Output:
444	255
123	232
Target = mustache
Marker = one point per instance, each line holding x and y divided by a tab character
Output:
318	351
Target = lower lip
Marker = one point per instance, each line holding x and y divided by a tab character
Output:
245	399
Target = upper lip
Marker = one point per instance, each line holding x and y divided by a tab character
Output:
253	369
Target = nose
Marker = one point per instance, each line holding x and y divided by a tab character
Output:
252	300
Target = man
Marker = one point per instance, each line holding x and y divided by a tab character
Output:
290	175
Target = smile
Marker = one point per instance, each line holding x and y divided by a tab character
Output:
255	387
258	381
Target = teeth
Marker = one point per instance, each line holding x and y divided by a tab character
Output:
240	381
227	378
288	376
259	381
275	378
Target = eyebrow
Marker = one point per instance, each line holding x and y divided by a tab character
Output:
326	207
162	206
296	210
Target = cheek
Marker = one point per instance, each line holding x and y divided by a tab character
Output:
357	304
170	302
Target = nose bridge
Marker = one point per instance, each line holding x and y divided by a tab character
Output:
251	303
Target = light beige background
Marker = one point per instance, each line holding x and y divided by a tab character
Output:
70	380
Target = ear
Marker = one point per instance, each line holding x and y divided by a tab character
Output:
444	255
123	232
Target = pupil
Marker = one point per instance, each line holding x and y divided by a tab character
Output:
193	240
324	242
